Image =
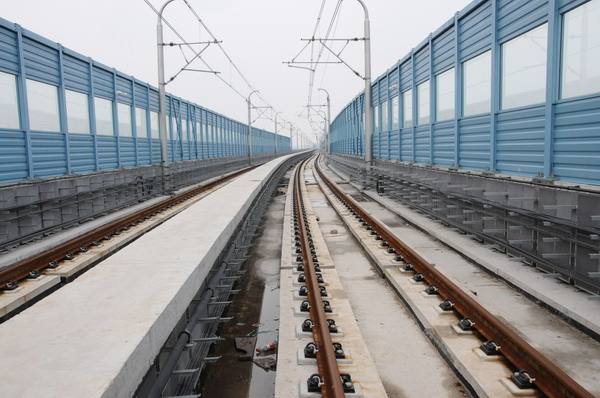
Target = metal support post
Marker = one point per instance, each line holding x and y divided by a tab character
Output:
249	137
162	116
276	137
368	101
327	123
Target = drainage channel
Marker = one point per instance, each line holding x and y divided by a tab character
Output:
255	313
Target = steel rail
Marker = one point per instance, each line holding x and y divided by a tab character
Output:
22	269
332	386
548	377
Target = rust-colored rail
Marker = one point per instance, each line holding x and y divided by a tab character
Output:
36	263
549	377
332	386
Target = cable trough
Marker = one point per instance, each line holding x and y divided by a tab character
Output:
532	368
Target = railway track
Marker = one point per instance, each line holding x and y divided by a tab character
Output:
321	349
31	267
531	368
329	380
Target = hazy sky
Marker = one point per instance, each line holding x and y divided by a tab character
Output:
259	35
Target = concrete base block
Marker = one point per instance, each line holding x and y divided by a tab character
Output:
458	330
27	291
303	392
301	334
297	296
516	391
306	314
484	357
429	296
302	360
441	311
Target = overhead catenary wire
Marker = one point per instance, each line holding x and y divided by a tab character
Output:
321	50
324	70
251	87
314	66
188	45
315	30
197	54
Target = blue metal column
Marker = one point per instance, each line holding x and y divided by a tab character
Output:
169	126
62	109
380	135
180	130
228	134
240	135
233	138
349	124
211	128
192	131
218	149
243	136
185	129
195	130
116	118
223	132
457	92
23	106
213	137
389	119
414	106
552	84
432	98
353	130
191	143
377	131
92	111
234	128
495	103
224	137
217	135
349	140
172	129
149	123
400	115
201	135
133	117
355	142
183	126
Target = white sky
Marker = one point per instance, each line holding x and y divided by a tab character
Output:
259	35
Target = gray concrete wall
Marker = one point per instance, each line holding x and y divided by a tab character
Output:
31	208
557	228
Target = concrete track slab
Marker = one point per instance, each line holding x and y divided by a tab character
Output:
292	373
11	300
404	357
29	290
